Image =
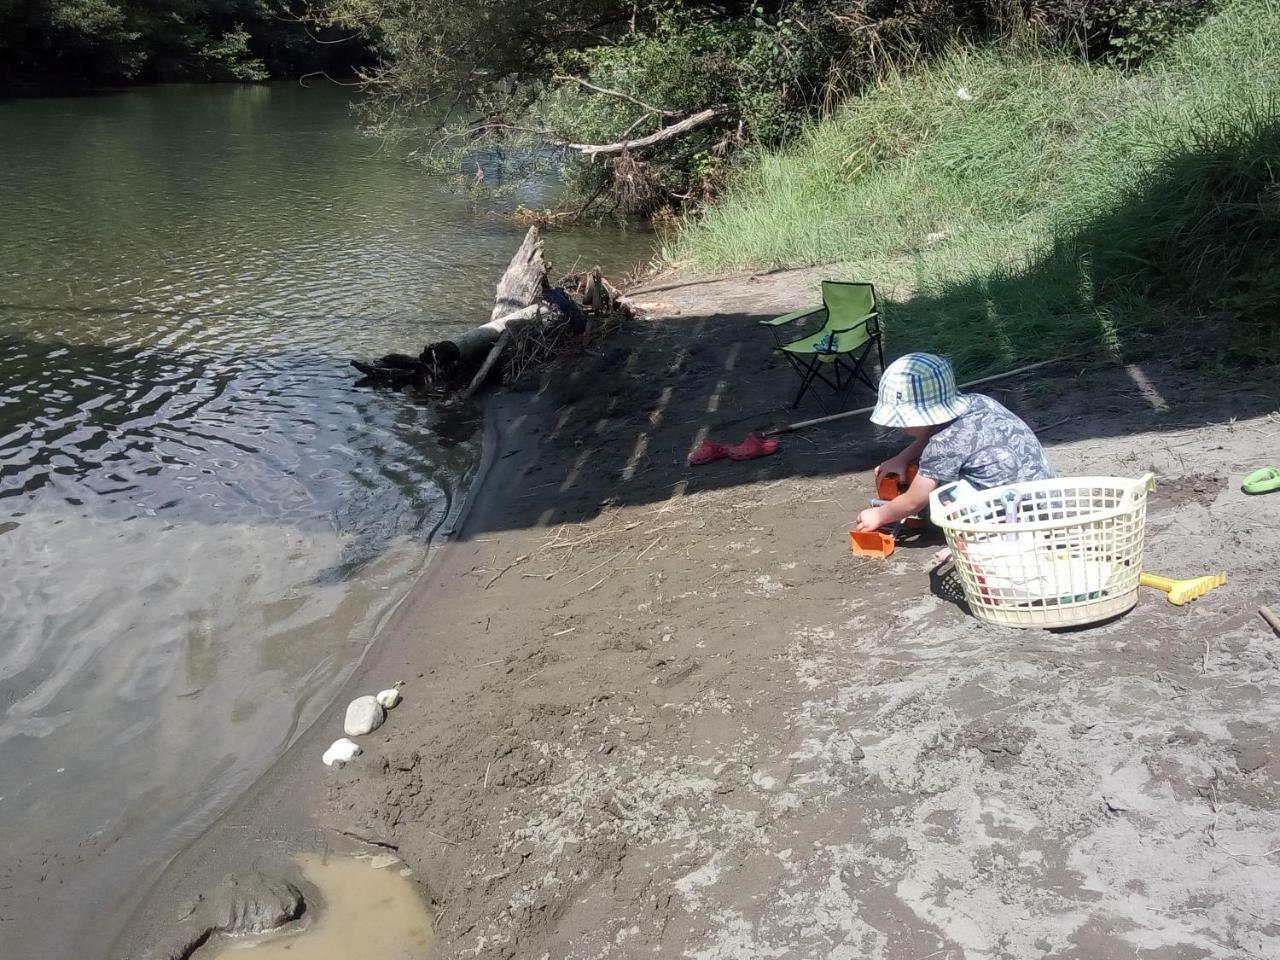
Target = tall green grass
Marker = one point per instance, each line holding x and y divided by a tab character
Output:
1017	204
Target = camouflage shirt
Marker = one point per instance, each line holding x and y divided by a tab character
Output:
987	446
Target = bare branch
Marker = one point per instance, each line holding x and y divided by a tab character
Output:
616	93
660	136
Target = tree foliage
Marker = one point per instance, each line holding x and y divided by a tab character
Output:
519	77
115	41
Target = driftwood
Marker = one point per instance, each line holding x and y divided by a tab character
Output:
531	320
660	136
515	304
523	280
485	368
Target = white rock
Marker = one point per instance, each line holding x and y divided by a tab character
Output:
340	752
964	94
364	715
383	860
773	777
388	698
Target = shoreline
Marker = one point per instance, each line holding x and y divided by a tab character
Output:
276	826
654	710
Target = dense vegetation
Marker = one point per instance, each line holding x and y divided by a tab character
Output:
703	79
117	41
1018	204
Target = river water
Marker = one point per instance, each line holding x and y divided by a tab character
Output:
202	523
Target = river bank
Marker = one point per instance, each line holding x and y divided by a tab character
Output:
653	709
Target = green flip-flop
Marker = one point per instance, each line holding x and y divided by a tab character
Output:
1262	481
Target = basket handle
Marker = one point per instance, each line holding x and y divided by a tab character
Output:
952	491
1146	484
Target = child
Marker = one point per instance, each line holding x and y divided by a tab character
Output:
954	436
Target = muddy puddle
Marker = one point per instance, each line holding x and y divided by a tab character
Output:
369	908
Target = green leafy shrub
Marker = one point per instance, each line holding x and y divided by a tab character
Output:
1126	32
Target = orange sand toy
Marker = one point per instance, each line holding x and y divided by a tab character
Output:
871	543
877	543
890	484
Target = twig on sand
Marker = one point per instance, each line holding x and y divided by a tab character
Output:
561	633
597	566
648	548
452	843
497	576
1049	426
1204	663
384	844
601	580
831	500
487	767
1213	830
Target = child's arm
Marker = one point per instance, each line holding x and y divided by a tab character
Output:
909	503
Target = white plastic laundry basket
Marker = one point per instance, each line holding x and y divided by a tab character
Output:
1049	553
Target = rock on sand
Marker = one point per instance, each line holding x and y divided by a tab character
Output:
388	698
340	751
364	715
240	905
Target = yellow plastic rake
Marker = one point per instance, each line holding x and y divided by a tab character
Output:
1181	591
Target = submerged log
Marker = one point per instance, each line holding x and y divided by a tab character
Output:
454	358
519	292
526	305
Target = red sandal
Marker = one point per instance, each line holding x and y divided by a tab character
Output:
752	447
706	452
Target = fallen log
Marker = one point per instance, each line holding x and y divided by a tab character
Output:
531	322
455	358
519	291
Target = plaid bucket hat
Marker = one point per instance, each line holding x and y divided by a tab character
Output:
918	390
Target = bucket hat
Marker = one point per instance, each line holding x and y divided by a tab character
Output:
918	390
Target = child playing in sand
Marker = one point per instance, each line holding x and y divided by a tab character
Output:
954	436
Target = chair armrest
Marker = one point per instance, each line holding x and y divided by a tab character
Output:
854	326
792	317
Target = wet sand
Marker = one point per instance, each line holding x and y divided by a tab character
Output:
659	710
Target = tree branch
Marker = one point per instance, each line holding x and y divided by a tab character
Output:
660	136
616	93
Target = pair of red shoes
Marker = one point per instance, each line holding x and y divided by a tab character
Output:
748	449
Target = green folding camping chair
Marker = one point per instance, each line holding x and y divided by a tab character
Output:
835	354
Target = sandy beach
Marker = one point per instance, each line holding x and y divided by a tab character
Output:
656	710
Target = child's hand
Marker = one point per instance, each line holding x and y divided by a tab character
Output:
896	465
869	519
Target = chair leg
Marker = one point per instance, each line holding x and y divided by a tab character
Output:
811	373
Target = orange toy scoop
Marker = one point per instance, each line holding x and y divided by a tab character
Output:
871	543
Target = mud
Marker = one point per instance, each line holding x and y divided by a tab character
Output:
367	908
